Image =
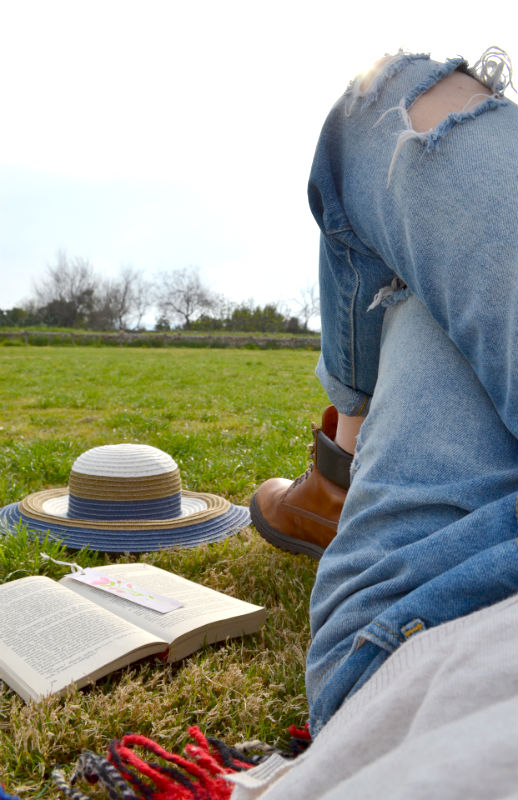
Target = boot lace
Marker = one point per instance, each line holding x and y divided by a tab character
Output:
311	448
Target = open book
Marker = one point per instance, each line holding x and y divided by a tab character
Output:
55	634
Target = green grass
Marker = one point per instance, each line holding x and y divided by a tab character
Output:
231	419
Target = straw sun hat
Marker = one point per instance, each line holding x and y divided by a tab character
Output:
126	498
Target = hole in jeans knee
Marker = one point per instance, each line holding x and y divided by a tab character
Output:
456	93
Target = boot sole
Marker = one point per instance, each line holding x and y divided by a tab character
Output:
281	540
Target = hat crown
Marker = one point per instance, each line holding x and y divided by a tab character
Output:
124	481
124	461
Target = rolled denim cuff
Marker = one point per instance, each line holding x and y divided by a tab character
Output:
346	400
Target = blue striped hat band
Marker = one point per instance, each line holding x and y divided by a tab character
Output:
109	496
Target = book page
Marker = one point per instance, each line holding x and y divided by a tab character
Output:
202	607
50	637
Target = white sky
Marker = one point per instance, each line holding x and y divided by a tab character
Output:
162	134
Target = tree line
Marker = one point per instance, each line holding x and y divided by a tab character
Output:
72	295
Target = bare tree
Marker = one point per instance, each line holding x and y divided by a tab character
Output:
68	279
117	297
222	307
121	300
121	296
71	294
180	295
142	298
308	305
68	289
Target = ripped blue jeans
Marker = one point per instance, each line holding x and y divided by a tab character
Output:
422	229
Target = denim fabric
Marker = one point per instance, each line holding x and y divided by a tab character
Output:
428	528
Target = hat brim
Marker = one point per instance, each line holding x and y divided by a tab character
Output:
218	520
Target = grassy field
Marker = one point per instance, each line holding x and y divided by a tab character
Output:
231	419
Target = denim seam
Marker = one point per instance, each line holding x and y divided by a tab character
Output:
356	644
379	641
351	318
384	628
333	232
362	409
341	229
332	668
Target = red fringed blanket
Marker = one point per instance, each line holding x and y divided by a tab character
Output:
137	768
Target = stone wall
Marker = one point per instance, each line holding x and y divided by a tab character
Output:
123	339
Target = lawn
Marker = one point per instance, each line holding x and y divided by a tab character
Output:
231	419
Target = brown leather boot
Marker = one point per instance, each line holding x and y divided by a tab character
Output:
302	515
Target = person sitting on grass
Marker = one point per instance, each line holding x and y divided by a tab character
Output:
413	186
